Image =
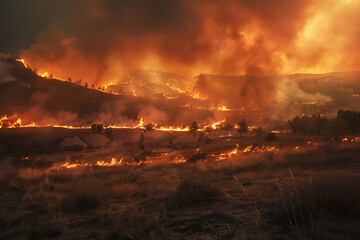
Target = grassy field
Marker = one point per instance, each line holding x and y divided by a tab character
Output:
226	188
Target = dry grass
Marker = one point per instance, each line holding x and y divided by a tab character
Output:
309	205
139	202
196	192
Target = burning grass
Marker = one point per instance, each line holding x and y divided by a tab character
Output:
198	199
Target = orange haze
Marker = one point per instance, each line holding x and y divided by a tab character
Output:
106	39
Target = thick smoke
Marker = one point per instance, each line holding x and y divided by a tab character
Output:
106	38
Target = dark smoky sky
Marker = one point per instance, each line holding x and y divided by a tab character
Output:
22	20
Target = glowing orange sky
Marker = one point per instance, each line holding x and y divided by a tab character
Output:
108	38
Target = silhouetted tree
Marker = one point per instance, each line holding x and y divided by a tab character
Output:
109	131
92	86
352	117
97	127
201	137
259	132
312	125
243	128
194	127
86	85
69	80
142	141
149	127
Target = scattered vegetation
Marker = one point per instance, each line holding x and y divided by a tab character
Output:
308	125
352	117
194	127
97	127
270	191
194	192
243	128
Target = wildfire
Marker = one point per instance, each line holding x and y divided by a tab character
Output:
216	125
44	74
118	163
173	129
236	152
351	139
22	61
113	163
108	85
222	108
257	149
47	75
6	122
175	89
195	95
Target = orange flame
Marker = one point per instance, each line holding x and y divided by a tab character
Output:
22	61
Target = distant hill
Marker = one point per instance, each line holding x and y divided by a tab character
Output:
172	99
26	89
26	94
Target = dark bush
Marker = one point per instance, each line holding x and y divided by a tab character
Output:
192	192
271	137
309	125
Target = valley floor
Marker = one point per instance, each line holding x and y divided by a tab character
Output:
177	187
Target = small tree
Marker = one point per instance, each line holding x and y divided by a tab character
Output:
312	125
259	131
227	127
142	141
109	131
69	80
93	127
194	127
352	117
97	127
243	128
149	127
86	85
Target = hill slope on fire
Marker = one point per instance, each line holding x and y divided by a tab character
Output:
24	93
172	99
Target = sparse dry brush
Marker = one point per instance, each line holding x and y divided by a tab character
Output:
139	202
196	192
312	204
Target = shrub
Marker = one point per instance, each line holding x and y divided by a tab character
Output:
192	192
83	195
271	137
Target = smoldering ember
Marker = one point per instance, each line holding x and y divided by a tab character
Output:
175	119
